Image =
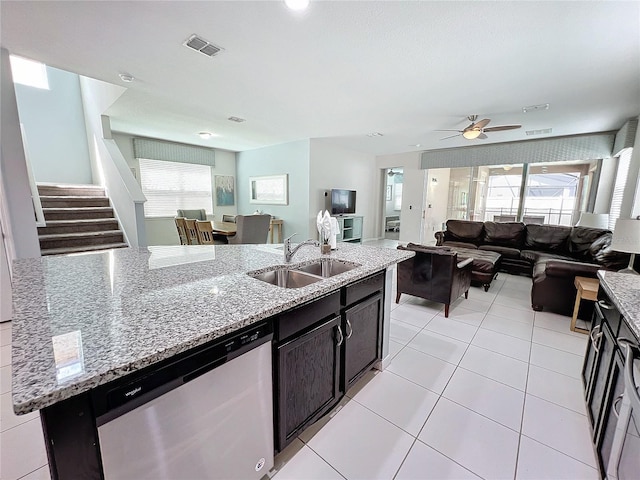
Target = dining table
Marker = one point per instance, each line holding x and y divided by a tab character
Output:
224	228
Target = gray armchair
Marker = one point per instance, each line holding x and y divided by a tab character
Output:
251	229
200	214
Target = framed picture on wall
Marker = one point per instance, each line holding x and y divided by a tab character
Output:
389	191
225	190
269	190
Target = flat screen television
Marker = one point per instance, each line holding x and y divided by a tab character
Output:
343	201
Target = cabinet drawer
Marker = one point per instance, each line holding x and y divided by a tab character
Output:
609	311
300	318
362	289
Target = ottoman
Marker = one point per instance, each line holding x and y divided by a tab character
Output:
485	264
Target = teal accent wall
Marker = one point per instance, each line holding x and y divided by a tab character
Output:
290	158
54	126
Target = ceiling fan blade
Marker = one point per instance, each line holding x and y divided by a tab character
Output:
482	123
482	136
459	131
501	127
451	136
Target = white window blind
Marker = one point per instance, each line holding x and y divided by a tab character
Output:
170	186
618	187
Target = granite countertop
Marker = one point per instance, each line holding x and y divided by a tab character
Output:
84	320
624	291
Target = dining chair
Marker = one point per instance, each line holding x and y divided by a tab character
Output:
192	233
251	229
181	226
205	232
199	214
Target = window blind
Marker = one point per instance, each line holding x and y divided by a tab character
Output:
624	160
170	186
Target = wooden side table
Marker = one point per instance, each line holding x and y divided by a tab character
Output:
587	290
273	225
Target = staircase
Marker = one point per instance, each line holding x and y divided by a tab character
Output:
79	219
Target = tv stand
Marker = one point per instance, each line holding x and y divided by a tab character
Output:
350	228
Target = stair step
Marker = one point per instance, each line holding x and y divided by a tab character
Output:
88	248
76	226
61	201
51	189
71	213
82	239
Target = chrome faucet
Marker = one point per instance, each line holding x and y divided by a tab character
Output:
289	253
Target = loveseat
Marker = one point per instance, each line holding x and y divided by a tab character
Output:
552	255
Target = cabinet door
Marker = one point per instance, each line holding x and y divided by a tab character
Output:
362	327
592	350
307	379
600	376
610	410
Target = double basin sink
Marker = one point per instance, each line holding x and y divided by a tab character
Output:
306	274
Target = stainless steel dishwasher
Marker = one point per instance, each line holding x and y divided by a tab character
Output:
207	415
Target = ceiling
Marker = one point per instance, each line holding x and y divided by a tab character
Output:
341	70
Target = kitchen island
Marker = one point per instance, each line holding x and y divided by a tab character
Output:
87	320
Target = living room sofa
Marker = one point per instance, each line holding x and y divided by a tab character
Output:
552	255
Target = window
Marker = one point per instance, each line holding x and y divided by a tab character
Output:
170	186
28	72
618	187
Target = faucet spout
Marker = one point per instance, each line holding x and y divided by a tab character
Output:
290	252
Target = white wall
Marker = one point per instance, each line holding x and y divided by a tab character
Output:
54	127
336	167
13	171
288	158
5	282
412	193
162	231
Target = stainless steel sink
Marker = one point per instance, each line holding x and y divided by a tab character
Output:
328	267
286	278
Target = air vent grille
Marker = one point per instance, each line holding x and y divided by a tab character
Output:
199	44
542	131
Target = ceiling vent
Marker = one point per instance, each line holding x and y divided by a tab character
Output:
543	131
199	44
236	119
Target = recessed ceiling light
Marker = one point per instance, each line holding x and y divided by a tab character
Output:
297	4
533	108
205	135
374	134
125	77
236	119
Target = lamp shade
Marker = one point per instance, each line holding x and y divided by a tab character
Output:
626	236
593	220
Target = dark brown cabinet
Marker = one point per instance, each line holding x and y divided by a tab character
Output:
307	382
320	350
363	341
603	377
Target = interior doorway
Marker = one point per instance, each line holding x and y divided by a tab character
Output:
393	202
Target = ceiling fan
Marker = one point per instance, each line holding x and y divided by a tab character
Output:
392	173
478	129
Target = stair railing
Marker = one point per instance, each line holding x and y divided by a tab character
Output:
35	195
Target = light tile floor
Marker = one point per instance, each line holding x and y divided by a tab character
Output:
493	391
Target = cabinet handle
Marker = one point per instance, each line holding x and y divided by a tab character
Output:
605	305
340	336
595	337
629	381
349	330
616	402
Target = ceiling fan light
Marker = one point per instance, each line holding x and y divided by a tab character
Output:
471	134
